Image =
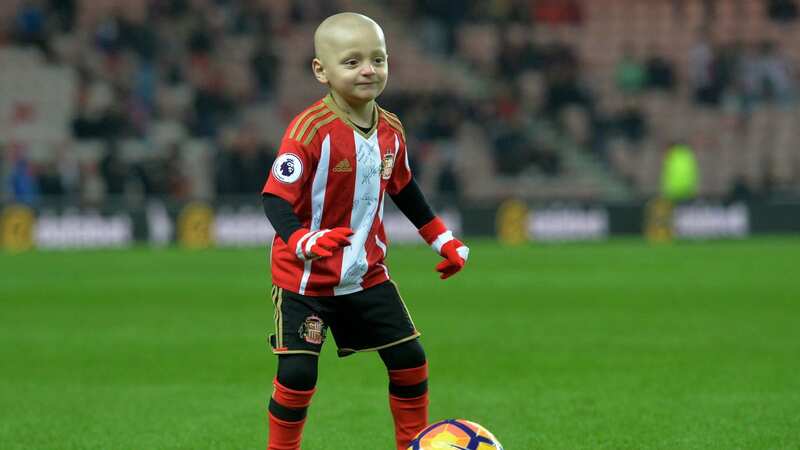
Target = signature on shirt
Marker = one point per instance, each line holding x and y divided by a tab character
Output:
369	160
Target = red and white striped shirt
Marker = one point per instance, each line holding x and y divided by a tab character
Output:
335	175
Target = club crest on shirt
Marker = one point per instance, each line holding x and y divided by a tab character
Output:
287	168
387	164
312	330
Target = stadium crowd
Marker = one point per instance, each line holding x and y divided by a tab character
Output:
167	73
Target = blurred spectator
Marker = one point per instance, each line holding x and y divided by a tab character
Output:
548	159
659	71
449	14
782	10
31	26
66	163
740	191
108	35
211	107
304	11
50	180
517	53
244	163
176	182
513	150
727	61
143	94
516	149
92	187
701	71
265	64
775	77
679	173
531	92
139	38
576	123
100	114
557	12
147	178
24	184
65	12
679	8
250	18
630	122
630	74
564	86
749	74
765	75
448	185
113	169
443	118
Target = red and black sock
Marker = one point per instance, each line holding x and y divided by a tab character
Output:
287	415
408	400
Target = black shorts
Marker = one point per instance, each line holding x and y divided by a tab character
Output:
372	319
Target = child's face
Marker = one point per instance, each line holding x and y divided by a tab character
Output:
354	63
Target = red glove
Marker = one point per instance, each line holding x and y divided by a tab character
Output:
442	241
310	245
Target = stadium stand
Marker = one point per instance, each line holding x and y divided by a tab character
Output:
539	100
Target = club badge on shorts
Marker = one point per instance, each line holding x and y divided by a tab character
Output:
387	164
312	330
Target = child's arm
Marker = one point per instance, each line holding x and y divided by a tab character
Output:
307	245
280	215
412	203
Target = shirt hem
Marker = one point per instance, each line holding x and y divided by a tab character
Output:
329	291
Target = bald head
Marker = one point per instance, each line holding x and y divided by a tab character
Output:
351	59
343	30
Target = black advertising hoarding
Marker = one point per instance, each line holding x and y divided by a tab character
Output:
240	222
229	222
55	227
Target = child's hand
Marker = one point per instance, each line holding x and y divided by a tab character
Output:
455	254
442	241
310	245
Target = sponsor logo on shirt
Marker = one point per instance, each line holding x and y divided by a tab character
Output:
343	166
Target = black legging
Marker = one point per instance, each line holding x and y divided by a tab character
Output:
299	372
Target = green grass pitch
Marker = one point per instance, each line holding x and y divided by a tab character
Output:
618	345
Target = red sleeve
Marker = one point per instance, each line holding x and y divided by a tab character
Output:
401	174
290	172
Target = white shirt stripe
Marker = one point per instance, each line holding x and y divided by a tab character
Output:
317	200
366	202
397	150
381	245
385	270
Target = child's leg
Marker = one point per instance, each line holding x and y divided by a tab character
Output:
294	386
408	389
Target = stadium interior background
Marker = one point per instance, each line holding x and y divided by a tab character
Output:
117	115
133	129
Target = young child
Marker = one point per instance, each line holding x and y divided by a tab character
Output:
324	196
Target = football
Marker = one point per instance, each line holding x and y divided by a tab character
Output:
455	434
